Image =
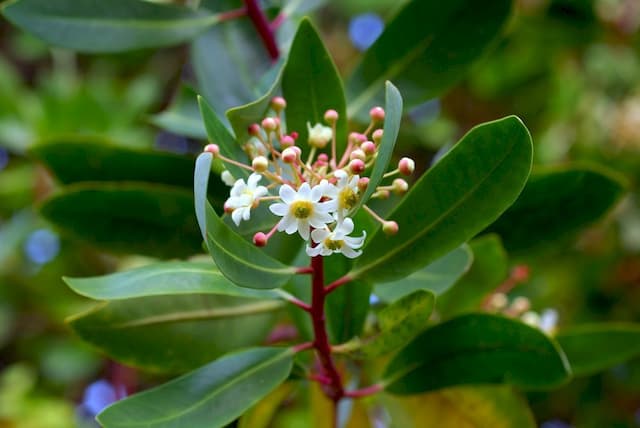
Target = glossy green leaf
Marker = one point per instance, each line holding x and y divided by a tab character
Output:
212	396
596	347
583	194
240	261
489	269
218	134
150	219
347	309
477	349
392	119
113	26
183	116
176	333
457	198
398	323
311	85
437	277
427	47
167	278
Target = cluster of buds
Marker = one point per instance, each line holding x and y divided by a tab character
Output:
315	197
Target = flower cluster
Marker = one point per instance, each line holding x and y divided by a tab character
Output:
317	196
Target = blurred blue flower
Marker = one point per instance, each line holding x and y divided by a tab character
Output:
364	29
42	246
4	158
97	396
555	423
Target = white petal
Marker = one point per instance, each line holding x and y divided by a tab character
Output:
346	227
287	194
317	192
279	208
348	252
319	235
253	180
312	252
246	213
304	192
238	188
260	192
236	216
303	228
291	224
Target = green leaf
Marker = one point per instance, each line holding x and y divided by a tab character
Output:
462	407
489	269
347	310
176	333
426	48
477	349
79	159
127	218
113	26
437	277
211	396
218	134
167	278
457	198
392	119
593	348
311	85
242	262
183	116
398	323
557	204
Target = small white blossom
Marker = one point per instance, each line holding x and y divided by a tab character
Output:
319	135
244	197
227	178
301	210
336	241
344	194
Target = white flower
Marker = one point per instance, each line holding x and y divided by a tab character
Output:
302	209
336	241
244	197
227	178
319	135
344	194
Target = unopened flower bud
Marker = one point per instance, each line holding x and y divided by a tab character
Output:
323	157
363	182
278	104
319	135
331	116
520	305
260	164
254	129
287	141
498	301
269	124
390	227
227	208
531	318
381	194
400	186
520	273
356	166
289	155
377	136
294	135
406	166
358	154
377	114
212	148
368	147
260	239
227	178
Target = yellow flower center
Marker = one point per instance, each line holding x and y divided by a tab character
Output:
301	209
348	199
333	245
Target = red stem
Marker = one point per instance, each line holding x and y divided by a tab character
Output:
337	283
363	392
263	27
232	14
335	390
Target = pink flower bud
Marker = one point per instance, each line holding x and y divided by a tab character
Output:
227	208
331	116
289	155
260	239
269	124
358	154
297	150
323	157
278	103
406	166
357	138
390	227
287	141
377	114
294	135
400	186
260	164
381	194
212	148
356	166
363	182
377	136
254	129
368	147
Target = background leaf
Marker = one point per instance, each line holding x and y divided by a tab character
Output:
437	277
311	85
557	204
477	349
113	26
176	333
183	115
595	347
211	396
127	217
458	197
426	48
